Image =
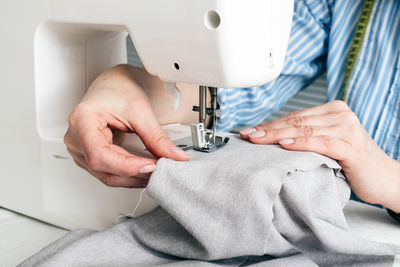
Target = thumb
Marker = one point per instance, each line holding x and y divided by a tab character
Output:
154	138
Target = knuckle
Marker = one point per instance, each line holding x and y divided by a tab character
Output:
275	134
67	139
292	115
348	117
109	180
296	121
73	117
160	137
93	161
307	130
339	104
262	127
79	112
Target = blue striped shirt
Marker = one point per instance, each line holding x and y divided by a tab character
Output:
321	35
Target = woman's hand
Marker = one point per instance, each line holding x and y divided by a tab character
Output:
334	130
114	104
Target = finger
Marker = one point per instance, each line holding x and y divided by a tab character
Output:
275	135
152	135
326	145
110	179
77	153
80	160
309	116
330	107
305	122
101	156
331	119
119	181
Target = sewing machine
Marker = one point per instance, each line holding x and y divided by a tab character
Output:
54	49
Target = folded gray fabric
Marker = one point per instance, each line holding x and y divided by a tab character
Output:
242	205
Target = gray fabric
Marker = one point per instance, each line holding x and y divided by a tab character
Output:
242	205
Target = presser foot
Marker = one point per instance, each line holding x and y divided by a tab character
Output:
220	142
204	140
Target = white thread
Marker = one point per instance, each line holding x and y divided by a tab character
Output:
173	90
132	214
138	204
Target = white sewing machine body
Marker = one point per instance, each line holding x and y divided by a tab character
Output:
54	50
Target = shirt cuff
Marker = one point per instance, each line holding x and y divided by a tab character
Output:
394	215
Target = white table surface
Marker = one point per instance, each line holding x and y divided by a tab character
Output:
21	236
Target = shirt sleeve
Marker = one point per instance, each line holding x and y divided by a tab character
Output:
304	62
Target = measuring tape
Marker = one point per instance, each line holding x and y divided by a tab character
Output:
355	47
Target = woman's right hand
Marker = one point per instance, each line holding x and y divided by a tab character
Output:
113	105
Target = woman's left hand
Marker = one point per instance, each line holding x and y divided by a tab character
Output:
334	130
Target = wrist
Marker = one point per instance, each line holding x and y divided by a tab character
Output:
391	198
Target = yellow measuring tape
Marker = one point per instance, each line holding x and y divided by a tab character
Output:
355	47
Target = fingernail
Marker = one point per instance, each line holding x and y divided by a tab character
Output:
179	152
147	169
257	134
286	141
248	131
